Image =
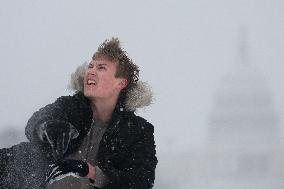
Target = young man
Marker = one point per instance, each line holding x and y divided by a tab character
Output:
93	138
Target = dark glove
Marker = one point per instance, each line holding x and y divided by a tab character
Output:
58	134
66	167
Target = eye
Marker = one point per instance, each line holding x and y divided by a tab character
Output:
101	68
90	65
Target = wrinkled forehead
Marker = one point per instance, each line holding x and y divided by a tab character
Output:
105	60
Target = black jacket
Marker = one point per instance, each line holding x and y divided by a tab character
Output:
126	152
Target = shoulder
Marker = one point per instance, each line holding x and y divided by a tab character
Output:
77	108
77	97
77	102
140	124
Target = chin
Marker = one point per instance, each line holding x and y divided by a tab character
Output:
87	93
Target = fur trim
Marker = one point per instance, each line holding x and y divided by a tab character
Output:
77	78
140	96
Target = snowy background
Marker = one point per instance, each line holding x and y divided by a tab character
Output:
183	48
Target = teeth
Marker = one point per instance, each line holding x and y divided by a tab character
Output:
91	82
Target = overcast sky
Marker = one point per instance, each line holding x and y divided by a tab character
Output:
183	49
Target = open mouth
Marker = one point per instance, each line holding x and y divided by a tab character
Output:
91	82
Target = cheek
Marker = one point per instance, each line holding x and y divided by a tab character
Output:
108	83
85	77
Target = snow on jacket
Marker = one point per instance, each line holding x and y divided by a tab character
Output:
23	166
126	152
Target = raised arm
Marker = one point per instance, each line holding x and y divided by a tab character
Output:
69	117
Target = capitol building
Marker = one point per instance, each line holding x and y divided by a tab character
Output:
244	144
244	149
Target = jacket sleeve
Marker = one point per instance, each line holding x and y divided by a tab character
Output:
139	171
73	109
4	167
54	111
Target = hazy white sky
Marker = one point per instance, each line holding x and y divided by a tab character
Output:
182	47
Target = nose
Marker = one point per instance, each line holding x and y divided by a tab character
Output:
92	71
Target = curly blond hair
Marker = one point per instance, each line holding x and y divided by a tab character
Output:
111	50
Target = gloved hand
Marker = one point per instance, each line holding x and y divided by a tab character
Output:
66	167
58	134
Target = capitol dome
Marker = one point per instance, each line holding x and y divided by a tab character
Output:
243	112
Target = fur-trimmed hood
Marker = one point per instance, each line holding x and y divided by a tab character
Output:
139	96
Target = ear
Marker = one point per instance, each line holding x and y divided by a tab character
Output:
122	83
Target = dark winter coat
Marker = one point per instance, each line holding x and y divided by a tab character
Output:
126	152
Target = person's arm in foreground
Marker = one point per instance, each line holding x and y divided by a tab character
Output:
56	124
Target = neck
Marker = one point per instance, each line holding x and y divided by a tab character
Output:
103	109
